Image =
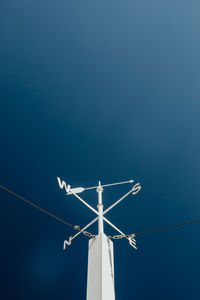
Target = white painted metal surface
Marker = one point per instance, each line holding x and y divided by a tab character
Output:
100	208
62	184
100	213
100	278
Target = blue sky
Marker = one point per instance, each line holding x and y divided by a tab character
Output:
104	91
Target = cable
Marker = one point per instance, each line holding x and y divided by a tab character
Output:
40	209
76	227
166	227
118	237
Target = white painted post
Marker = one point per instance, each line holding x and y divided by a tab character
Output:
100	278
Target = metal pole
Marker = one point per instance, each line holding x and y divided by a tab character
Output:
100	208
100	283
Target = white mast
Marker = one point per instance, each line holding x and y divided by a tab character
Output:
100	277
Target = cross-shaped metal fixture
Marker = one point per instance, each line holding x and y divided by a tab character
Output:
100	213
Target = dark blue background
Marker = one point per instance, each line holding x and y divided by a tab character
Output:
100	90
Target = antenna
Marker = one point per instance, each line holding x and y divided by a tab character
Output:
100	281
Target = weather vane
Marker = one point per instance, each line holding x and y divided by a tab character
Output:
100	283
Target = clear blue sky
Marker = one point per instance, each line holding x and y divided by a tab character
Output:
100	90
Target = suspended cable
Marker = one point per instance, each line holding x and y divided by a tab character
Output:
166	227
40	209
117	237
77	227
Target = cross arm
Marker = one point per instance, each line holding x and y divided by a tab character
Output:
81	231
84	202
131	240
117	202
135	189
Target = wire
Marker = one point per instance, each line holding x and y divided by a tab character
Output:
40	209
166	227
118	237
76	227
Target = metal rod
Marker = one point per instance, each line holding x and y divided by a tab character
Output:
131	240
117	183
117	202
107	221
84	202
111	184
100	208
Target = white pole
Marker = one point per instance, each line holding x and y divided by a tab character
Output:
100	279
100	207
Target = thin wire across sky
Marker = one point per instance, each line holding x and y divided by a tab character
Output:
77	227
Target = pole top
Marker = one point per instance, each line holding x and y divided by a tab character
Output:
99	188
100	212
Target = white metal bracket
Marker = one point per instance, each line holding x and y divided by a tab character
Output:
100	213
